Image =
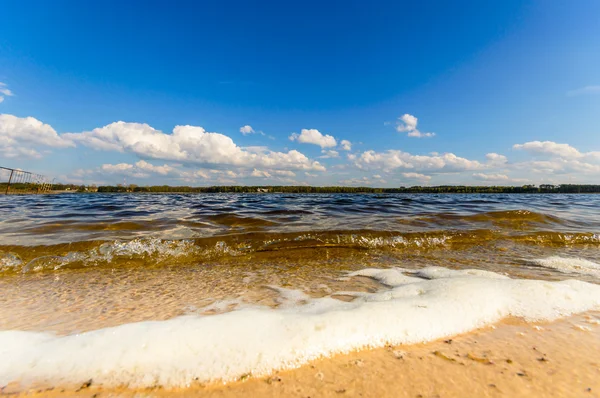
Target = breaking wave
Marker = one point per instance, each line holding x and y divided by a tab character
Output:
158	252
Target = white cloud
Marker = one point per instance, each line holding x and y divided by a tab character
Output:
260	173
584	90
559	162
329	154
283	173
245	130
277	175
364	181
189	144
256	149
490	177
198	173
417	176
143	169
549	148
561	159
314	136
408	124
117	168
16	130
558	166
495	159
140	169
346	145
4	92
162	170
394	159
356	181
23	136
11	152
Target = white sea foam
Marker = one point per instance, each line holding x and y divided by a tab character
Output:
569	265
421	306
9	261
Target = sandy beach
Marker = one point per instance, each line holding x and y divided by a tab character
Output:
513	359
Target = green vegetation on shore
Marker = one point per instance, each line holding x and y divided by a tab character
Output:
564	188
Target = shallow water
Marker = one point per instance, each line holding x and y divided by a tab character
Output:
73	263
47	232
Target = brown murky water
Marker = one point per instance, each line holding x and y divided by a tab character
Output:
80	262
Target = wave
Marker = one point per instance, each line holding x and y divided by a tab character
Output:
411	307
151	249
156	252
507	218
569	265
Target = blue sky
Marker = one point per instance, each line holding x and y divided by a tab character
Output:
342	93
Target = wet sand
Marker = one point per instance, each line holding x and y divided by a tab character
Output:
513	359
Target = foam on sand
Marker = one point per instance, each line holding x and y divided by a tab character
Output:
569	265
412	307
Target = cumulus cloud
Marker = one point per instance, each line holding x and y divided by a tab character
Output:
188	144
394	159
4	92
408	124
558	166
140	169
490	177
12	152
495	159
143	169
558	159
272	173
329	154
283	173
245	130
162	170
117	168
260	173
23	136
553	159
584	90
365	181
416	176
549	148
346	145
15	130
314	136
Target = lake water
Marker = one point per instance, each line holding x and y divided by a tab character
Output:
276	279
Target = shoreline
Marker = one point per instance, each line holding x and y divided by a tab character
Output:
513	358
294	193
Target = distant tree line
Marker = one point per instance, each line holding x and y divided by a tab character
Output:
563	188
26	187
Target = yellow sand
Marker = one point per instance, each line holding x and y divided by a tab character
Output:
559	359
